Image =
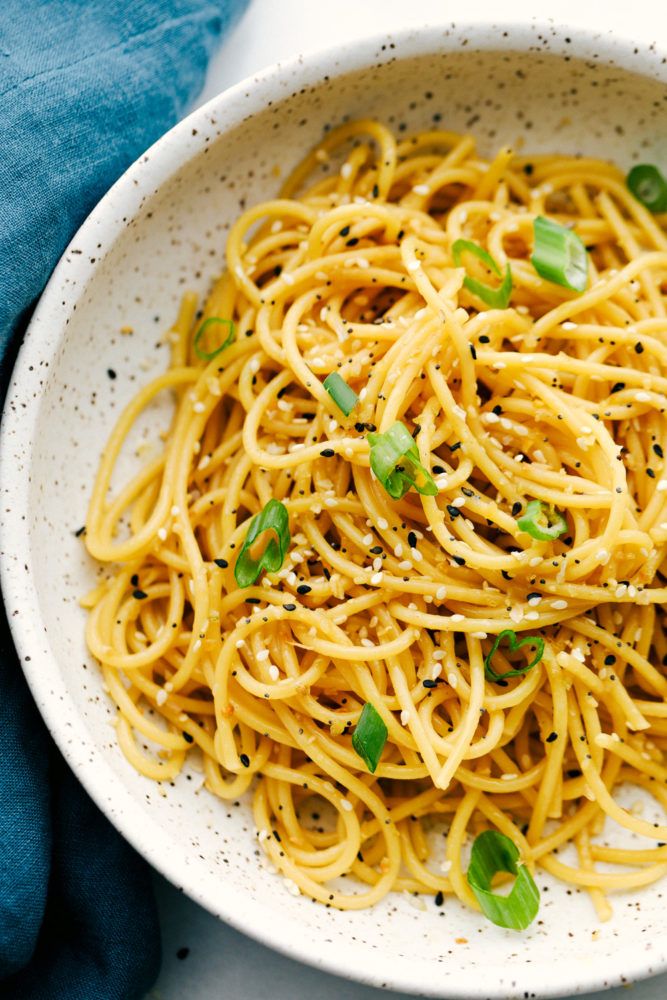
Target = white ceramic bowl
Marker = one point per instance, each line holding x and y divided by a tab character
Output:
162	228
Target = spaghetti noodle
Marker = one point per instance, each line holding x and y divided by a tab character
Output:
398	600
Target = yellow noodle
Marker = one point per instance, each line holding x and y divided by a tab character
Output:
560	397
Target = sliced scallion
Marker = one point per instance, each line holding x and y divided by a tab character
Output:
275	519
369	736
542	522
493	852
206	325
648	186
559	255
496	298
345	398
394	459
509	634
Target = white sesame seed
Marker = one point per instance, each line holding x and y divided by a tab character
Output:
458	502
175	511
376	579
453	680
161	697
405	717
346	170
368	539
442	483
377	563
531	616
438	654
262	655
367	642
568	325
199	407
559	605
662	485
441	593
491	418
414	264
416	555
643	397
383	525
578	655
274	673
457	618
346	805
162	534
508	777
421	189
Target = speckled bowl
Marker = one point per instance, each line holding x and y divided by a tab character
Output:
162	228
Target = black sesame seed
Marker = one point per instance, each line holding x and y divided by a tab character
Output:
222	563
139	594
658	450
459	560
134	579
439	899
456	446
516	507
617	387
551	737
453	511
245	760
610	660
80	531
439	469
376	550
639	348
111	373
412	540
303	589
327	453
188	738
289	607
345	231
352	242
430	684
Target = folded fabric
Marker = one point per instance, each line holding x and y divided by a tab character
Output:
85	87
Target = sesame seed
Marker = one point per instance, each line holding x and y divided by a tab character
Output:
559	605
274	673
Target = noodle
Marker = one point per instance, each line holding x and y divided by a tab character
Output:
560	398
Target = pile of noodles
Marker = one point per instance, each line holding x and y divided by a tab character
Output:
559	397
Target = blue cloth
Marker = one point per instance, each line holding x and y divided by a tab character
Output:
85	87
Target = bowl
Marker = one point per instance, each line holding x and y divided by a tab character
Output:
96	336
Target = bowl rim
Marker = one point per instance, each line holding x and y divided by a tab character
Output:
149	172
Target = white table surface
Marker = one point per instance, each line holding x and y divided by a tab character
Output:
205	959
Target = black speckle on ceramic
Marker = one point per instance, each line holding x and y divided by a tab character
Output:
97	336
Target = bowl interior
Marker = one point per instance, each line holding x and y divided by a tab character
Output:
97	336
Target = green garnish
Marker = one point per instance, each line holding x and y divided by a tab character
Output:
544	525
345	398
648	186
493	852
212	321
273	518
559	255
395	461
510	635
497	298
369	736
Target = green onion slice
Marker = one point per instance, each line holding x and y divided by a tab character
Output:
536	640
497	298
273	518
345	398
559	255
206	325
648	186
544	525
395	461
369	736
493	852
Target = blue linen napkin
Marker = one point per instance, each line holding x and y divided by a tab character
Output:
85	88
